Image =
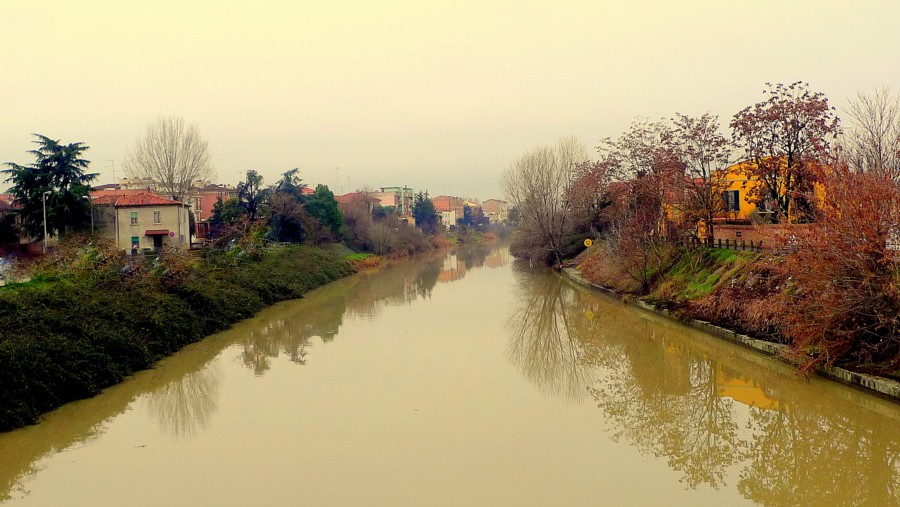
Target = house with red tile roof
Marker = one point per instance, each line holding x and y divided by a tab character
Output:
143	220
9	220
6	203
203	199
360	200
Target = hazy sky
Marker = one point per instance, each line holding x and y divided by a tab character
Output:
440	96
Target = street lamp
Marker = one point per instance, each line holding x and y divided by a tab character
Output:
44	206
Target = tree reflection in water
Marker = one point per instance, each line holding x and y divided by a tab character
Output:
182	393
289	327
185	406
543	342
826	451
715	413
80	422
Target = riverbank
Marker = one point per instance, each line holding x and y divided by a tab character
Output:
881	386
94	317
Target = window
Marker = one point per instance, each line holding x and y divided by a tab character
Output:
134	218
732	200
135	241
157	217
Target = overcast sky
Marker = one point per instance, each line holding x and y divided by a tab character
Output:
440	96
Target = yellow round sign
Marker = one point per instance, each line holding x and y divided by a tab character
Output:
588	242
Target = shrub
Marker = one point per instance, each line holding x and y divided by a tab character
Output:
841	300
99	317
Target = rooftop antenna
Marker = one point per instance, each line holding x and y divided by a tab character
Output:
115	181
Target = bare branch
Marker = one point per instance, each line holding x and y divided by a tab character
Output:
170	155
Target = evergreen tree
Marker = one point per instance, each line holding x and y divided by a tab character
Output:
291	184
225	213
468	217
251	194
423	212
59	172
324	207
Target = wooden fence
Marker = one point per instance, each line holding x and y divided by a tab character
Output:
732	244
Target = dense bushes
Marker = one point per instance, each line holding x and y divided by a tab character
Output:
93	317
382	235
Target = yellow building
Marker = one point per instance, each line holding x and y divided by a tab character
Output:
745	391
738	185
741	190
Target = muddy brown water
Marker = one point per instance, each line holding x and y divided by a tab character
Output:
465	379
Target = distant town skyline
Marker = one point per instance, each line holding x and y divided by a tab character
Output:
434	95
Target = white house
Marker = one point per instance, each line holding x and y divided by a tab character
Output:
143	220
448	218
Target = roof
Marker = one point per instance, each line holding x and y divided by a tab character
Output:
112	192
138	199
212	187
353	196
7	202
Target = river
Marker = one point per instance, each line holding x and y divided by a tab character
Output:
464	379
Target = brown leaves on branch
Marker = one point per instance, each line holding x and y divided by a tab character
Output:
782	137
842	296
705	155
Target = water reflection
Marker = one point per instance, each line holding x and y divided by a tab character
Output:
717	414
180	388
183	407
288	328
182	392
543	340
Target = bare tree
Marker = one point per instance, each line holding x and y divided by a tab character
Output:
872	141
539	183
171	155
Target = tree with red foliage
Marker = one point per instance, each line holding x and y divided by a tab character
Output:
783	138
646	151
841	301
590	195
706	154
633	243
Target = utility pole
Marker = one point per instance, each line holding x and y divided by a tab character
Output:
44	206
91	202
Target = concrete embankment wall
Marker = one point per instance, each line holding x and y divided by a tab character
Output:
878	385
